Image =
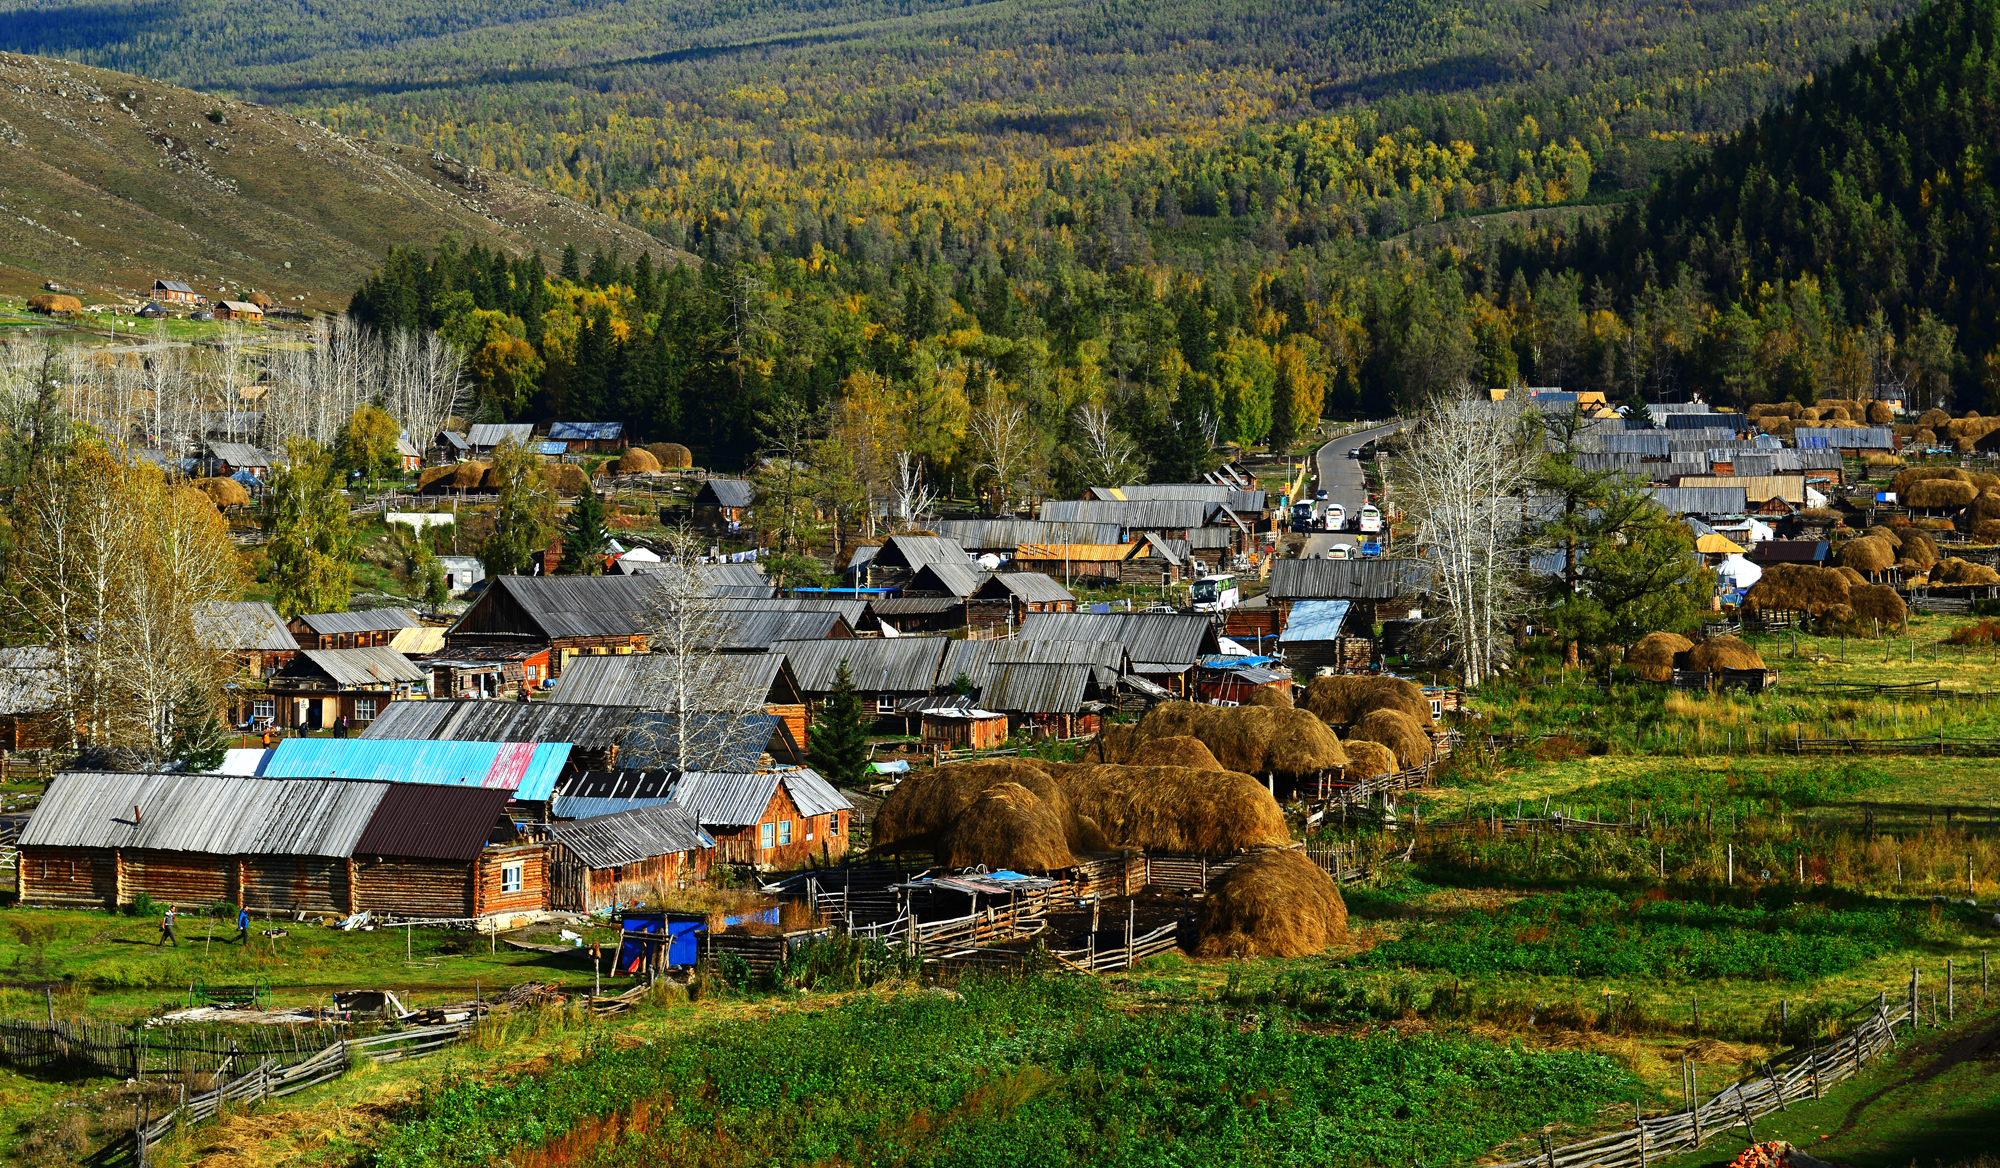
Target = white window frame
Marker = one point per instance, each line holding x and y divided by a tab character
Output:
511	879
364	709
767	835
784	832
885	704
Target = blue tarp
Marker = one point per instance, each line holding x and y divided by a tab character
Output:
529	769
1315	620
1220	661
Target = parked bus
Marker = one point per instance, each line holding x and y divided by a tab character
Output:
1215	593
1336	517
1371	518
1340	551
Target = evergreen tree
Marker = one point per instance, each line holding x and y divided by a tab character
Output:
584	536
311	569
524	516
572	265
839	749
198	739
428	574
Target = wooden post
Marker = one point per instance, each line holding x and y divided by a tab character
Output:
1813	1064
1743	1105
1916	1007
1732	864
1950	986
1694	1098
1982	976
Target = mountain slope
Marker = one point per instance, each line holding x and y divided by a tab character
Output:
108	181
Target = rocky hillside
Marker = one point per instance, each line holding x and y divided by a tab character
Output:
108	181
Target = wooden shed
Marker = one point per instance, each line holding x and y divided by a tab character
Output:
966	729
608	861
279	845
768	819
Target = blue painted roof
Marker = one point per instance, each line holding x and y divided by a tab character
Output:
529	769
1219	661
1315	620
586	431
551	447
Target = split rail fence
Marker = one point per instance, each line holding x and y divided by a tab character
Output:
1741	1104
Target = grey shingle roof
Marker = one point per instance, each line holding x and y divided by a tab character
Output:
757	630
1702	500
1863	438
1032	587
377	665
376	620
952	579
244	625
715	798
973	658
734	680
1158	514
1151	637
467	720
1346	579
1034	687
564	606
881	665
1005	535
726	493
494	433
914	551
239	454
198	813
1234	498
629	837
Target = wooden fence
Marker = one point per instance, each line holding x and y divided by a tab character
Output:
106	1048
1809	1073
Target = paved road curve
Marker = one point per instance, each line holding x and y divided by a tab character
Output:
1340	476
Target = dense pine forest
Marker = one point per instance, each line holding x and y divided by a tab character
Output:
1209	222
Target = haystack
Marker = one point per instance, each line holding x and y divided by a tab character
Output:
1912	475
1173	720
1366	759
1176	809
1277	903
1341	700
435	477
1797	588
1957	571
1934	419
1879	413
226	492
53	302
1925	438
1854	579
1180	750
1880	532
1113	744
1264	695
922	809
1008	826
1939	493
1867	555
672	455
638	460
1652	656
567	478
1877	602
1719	653
489	479
1256	740
1397	731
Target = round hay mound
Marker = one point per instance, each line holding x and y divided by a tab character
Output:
671	455
1719	653
1342	700
1854	579
1652	656
466	476
1880	532
1277	903
1877	602
1113	744
638	460
435	477
1175	809
1867	555
1253	740
1264	695
1174	720
1397	731
1797	588
1366	759
921	810
1909	476
567	478
489	480
1957	571
1008	826
1179	750
1925	438
53	302
1937	493
1879	413
224	491
1934	419
1985	530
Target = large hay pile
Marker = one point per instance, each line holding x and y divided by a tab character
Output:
1341	700
1652	656
1868	555
672	455
1877	602
1879	413
1179	750
1798	588
1917	551
1277	903
1854	579
1934	419
225	492
1397	731
1957	571
1255	740
566	477
459	476
1366	759
1175	809
1008	826
922	809
53	302
1113	744
1936	494
637	460
432	476
1264	695
1718	653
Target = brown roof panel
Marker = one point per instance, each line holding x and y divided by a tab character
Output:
424	821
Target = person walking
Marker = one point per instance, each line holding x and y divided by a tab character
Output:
243	926
167	929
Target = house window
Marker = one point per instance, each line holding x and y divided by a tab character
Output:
769	834
617	873
784	831
364	709
833	824
510	877
264	709
885	704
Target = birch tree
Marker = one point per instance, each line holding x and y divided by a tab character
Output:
710	715
1110	459
1464	465
914	496
1005	444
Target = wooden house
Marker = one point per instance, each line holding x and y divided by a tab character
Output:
177	293
724	502
1065	700
1004	599
227	459
241	310
1143	561
251	631
280	846
1162	647
30	716
889	670
767	819
965	728
900	559
1379	589
319	687
1317	636
527	771
485	437
351	630
570	616
731	682
608	861
588	437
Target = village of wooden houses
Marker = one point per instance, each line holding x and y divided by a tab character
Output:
344	734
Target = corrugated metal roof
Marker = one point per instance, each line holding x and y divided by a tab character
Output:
1005	535
239	454
216	814
1702	500
568	606
1158	514
1147	636
419	642
716	741
1031	587
356	668
895	606
1863	438
914	551
1033	687
243	625
734	680
972	658
529	770
432	823
630	837
1234	498
954	579
588	794
885	665
1346	579
374	620
586	431
758	630
726	493
471	720
1078	552
454	439
1649	443
1789	488
494	433
1315	620
851	611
